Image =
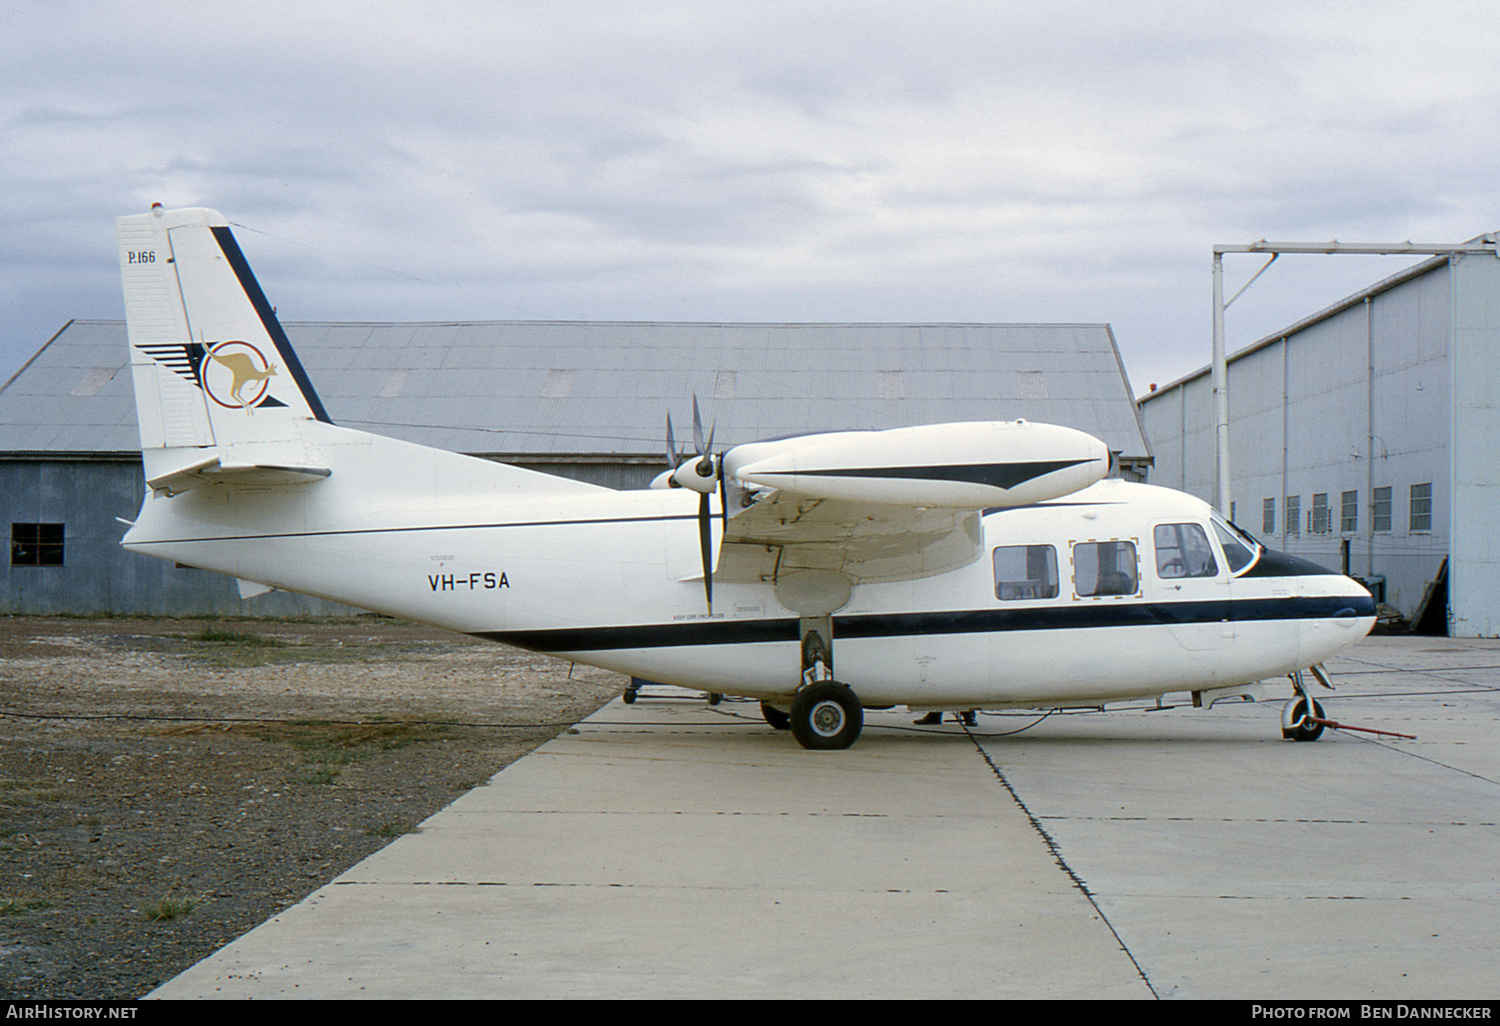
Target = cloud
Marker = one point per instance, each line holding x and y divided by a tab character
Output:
1061	161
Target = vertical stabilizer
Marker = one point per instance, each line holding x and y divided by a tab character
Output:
210	361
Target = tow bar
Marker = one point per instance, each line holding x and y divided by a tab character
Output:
1368	730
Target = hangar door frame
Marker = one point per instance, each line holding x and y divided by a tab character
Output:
1222	485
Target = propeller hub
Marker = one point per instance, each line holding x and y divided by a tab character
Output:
689	475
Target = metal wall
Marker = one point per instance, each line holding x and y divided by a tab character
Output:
1474	566
1394	389
99	577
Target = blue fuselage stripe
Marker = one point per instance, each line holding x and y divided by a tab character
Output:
968	621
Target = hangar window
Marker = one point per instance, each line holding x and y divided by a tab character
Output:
1104	568
1319	518
1182	550
1025	572
1349	512
1421	507
1268	516
36	544
1293	518
1380	510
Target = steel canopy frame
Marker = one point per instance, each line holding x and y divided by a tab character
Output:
1222	492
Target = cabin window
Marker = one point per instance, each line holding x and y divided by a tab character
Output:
36	544
1182	550
1025	572
1104	568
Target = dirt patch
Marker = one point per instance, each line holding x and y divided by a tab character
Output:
167	785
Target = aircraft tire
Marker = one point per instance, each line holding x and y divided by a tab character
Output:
776	717
1304	731
826	716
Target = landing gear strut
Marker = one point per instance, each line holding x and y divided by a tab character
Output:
1298	715
825	714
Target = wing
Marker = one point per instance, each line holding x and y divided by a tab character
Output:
882	505
781	533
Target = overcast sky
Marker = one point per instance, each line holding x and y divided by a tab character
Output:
800	161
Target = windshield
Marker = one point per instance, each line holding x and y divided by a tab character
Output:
1240	550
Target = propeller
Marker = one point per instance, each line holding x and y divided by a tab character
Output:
703	477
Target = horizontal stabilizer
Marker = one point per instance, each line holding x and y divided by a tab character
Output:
211	471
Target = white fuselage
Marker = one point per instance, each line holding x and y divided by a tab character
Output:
614	579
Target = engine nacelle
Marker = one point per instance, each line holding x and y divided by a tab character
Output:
966	466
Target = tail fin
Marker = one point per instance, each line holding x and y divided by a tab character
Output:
212	366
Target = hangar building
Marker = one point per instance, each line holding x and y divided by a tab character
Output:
1364	438
586	400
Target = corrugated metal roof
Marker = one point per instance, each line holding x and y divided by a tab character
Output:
550	387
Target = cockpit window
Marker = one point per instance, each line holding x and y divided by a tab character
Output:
1182	550
1239	548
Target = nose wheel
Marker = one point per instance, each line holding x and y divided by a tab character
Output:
1297	724
1299	714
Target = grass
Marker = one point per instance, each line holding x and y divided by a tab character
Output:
230	649
168	908
327	749
213	634
21	906
393	828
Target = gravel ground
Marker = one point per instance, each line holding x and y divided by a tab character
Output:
167	785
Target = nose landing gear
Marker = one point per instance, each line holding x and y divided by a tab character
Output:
1297	724
1300	716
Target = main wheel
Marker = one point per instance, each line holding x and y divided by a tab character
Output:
826	715
1302	729
776	717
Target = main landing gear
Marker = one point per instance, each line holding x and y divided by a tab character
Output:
824	714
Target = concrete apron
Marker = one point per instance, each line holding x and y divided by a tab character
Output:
672	850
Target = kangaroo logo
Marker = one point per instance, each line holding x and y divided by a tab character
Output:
234	375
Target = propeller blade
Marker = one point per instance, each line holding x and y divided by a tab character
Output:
697	427
671	444
705	544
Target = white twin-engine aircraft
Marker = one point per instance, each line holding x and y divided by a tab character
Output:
948	567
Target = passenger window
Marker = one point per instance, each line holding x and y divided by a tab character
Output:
1104	568
1182	550
1025	572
